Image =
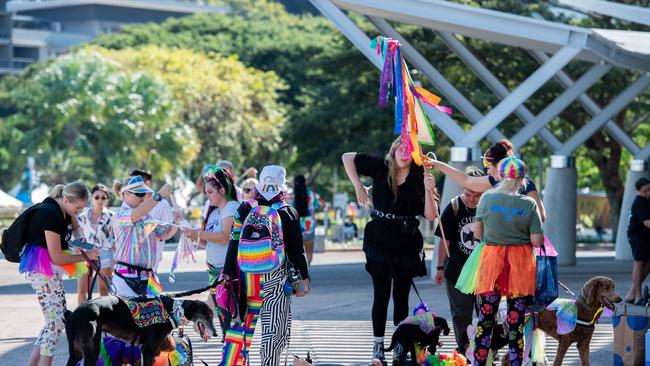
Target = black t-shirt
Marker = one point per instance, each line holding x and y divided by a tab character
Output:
384	238
49	218
639	212
458	230
530	185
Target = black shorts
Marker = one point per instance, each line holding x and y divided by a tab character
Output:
640	247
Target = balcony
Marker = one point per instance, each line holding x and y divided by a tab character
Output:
14	65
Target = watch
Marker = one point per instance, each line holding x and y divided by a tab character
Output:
157	197
440	268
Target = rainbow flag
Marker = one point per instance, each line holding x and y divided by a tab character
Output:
153	286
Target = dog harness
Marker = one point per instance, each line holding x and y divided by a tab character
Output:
146	312
593	321
566	312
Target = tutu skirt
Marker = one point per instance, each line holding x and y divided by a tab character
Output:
510	270
37	259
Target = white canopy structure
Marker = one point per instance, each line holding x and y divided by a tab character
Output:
553	45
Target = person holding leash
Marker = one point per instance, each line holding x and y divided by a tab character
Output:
46	258
265	249
392	240
509	225
136	234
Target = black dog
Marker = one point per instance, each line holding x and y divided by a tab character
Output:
84	327
407	335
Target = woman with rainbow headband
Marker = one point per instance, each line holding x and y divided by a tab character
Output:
135	237
507	223
46	258
264	293
491	159
215	232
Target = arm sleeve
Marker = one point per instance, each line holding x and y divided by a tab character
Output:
368	165
233	247
530	186
292	235
48	221
641	210
481	209
535	220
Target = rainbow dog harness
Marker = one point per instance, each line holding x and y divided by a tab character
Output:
261	245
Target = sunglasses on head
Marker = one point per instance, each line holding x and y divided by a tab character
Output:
103	198
139	194
487	162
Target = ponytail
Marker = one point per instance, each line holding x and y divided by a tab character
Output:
57	191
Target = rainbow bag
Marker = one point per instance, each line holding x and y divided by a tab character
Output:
261	246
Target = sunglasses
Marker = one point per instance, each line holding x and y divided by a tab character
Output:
139	194
103	198
248	190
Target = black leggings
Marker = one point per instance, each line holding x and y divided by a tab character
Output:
381	284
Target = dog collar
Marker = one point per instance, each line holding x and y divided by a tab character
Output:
593	321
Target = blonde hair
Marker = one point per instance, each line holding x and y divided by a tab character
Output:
249	181
74	191
392	167
117	186
509	185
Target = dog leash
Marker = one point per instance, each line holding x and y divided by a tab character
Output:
567	289
416	291
95	267
196	291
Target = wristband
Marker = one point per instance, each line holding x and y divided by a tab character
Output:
198	237
440	268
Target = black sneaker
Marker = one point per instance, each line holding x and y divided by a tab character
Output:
378	352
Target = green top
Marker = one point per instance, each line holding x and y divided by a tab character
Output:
508	219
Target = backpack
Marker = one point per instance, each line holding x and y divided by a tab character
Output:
454	205
261	245
15	237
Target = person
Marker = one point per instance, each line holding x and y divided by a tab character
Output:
163	212
457	220
136	235
215	231
306	203
97	225
507	223
392	241
248	189
264	289
638	234
491	159
46	258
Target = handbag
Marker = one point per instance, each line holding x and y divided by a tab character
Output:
547	287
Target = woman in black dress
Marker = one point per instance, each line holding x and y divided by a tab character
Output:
392	241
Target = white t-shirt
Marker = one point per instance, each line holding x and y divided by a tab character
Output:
216	253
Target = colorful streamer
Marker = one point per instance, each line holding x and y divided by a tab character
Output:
184	251
411	123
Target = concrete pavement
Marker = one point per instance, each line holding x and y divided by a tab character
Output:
341	297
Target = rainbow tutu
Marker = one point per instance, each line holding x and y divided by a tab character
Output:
37	259
510	270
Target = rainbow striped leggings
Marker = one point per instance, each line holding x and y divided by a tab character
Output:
265	296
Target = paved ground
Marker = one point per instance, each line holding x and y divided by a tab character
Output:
333	322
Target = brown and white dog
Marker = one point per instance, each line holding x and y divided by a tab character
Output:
598	292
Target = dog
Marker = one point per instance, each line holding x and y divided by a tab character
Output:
598	292
110	314
407	335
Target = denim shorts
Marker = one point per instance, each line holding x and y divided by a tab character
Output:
106	258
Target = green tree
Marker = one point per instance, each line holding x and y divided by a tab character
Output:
82	117
234	109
